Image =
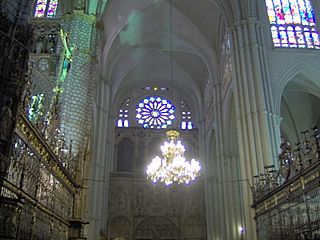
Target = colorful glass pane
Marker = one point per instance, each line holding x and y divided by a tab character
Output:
123	114
279	12
300	37
155	112
315	38
52	8
303	12
291	37
119	123
275	36
311	18
40	8
307	35
282	14
295	12
287	12
271	12
283	37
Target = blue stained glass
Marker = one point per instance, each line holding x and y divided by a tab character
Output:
295	12
287	12
123	114
291	37
283	36
300	38
271	12
43	8
155	112
52	8
284	15
308	37
315	38
40	8
119	124
311	18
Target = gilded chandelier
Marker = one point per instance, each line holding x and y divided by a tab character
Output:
173	167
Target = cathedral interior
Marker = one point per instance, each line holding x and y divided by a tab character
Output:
159	119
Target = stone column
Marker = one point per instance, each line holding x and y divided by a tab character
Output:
256	121
101	165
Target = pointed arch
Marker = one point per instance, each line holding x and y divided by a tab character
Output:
309	74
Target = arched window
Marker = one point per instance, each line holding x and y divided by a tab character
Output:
154	112
226	66
292	24
186	119
123	114
46	8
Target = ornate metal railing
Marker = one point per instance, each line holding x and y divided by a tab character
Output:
38	192
287	201
40	147
292	162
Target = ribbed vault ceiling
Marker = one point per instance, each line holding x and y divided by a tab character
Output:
137	47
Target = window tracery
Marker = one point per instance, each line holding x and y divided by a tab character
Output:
155	112
292	24
186	119
226	60
123	115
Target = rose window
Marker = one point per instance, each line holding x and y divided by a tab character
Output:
155	112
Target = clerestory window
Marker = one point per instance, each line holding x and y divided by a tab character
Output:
155	112
46	8
293	24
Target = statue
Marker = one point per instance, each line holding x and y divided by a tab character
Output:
36	108
285	159
68	55
6	121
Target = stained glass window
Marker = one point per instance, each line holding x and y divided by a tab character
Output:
186	119
43	8
40	8
155	112
225	61
123	114
52	8
292	24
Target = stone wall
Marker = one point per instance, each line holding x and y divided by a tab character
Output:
75	99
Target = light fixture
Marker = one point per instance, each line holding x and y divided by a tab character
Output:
173	167
241	231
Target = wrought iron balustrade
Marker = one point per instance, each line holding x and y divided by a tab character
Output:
287	200
38	187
